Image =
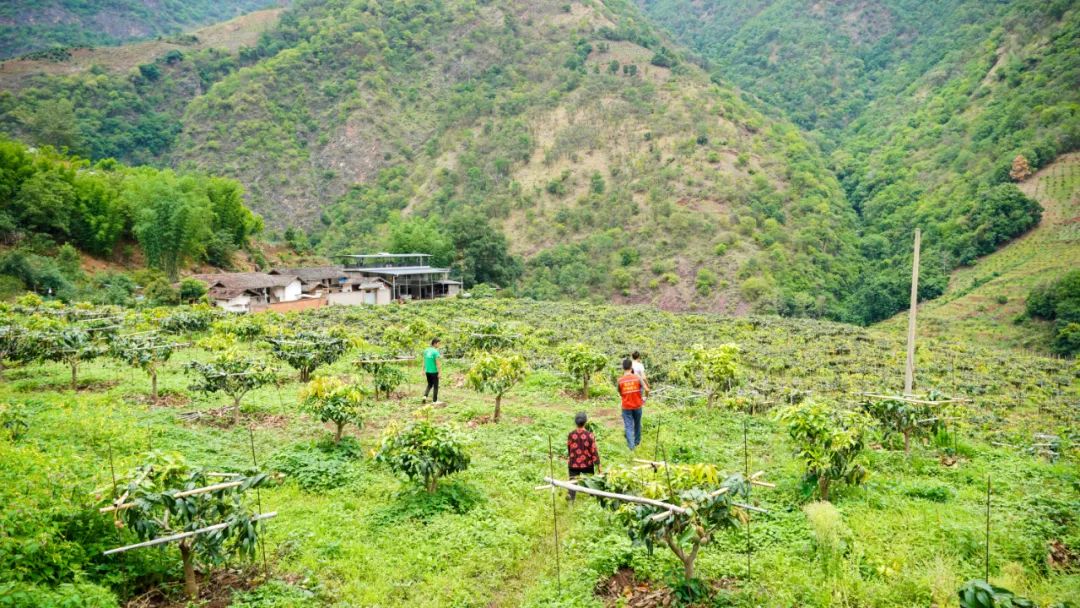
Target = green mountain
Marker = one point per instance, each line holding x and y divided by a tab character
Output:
924	107
37	25
613	168
574	150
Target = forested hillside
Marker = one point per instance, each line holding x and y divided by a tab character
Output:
37	25
574	150
924	107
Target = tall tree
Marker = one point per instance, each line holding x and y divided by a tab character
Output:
172	218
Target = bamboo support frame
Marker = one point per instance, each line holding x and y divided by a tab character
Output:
623	497
183	535
193	492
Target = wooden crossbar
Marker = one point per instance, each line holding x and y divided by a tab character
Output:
395	360
913	399
183	535
193	492
612	495
753	479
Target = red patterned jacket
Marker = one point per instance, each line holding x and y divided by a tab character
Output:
581	449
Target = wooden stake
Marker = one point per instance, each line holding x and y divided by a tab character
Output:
258	499
183	535
909	367
554	516
987	579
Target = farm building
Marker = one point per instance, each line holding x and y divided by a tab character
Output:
409	275
250	291
318	280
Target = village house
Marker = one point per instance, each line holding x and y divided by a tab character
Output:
250	291
318	280
409	275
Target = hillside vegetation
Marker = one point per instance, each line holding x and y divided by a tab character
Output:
350	532
39	25
924	107
986	301
574	150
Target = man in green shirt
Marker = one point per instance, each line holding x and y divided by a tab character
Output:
432	367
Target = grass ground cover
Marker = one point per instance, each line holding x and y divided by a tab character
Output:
351	533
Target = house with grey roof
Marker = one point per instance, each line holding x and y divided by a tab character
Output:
410	275
249	291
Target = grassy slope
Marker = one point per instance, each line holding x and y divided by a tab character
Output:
984	299
27	26
230	35
373	542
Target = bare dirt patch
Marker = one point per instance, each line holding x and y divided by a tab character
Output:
215	590
625	590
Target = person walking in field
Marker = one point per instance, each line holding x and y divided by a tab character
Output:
432	368
632	390
639	369
583	458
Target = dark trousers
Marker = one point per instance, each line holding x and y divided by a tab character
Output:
432	383
632	425
574	473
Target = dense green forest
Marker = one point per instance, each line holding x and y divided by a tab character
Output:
52	204
37	25
575	150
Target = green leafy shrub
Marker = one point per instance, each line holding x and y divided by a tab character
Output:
330	399
422	451
232	373
827	442
582	361
980	594
714	370
319	466
307	351
496	374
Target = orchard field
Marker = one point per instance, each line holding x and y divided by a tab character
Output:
899	529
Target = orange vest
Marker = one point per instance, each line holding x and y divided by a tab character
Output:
630	389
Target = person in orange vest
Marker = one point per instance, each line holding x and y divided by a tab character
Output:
632	389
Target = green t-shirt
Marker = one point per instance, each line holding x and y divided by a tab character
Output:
430	355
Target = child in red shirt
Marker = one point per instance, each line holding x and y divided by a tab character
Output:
582	456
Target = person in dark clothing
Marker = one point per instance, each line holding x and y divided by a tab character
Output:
583	458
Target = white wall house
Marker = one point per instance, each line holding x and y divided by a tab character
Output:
245	291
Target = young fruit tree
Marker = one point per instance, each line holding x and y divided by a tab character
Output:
422	451
708	506
331	400
385	374
713	370
827	441
70	345
307	351
581	361
495	374
165	496
231	373
905	418
145	352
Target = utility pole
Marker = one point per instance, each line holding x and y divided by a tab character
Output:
909	367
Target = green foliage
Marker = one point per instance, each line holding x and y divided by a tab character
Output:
827	442
386	376
582	361
330	399
318	466
71	345
82	24
157	511
711	506
906	418
230	372
307	351
495	373
980	594
47	195
144	351
1059	301
13	422
715	370
421	451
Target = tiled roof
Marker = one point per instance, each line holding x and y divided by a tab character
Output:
312	274
245	280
